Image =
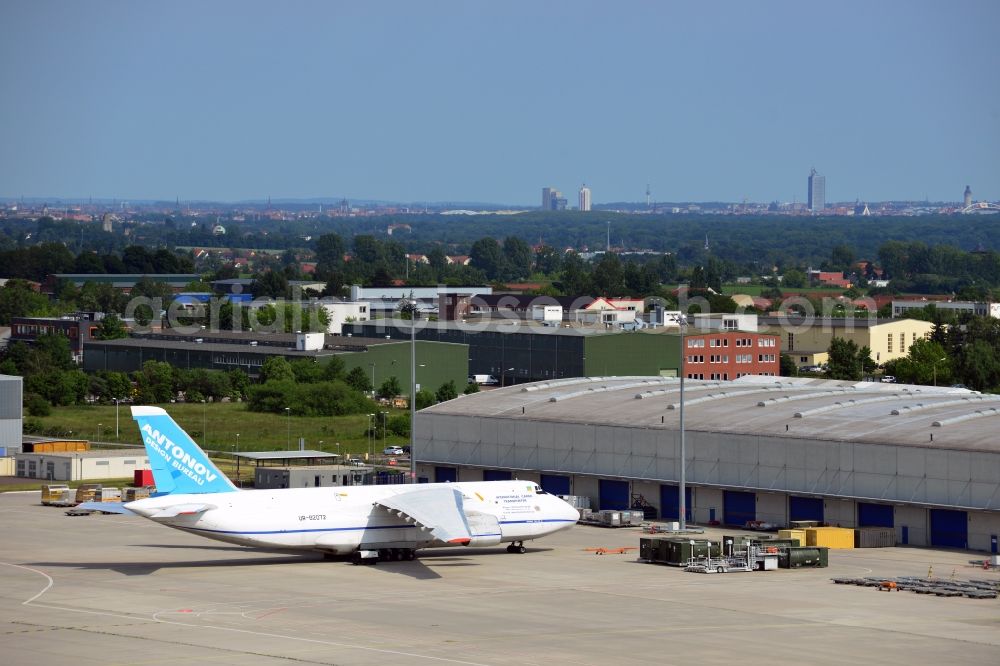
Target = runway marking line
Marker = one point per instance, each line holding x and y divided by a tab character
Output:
155	618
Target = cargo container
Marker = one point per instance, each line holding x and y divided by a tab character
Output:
797	534
54	492
108	494
86	492
133	494
874	537
803	524
794	558
57	446
678	551
144	477
830	537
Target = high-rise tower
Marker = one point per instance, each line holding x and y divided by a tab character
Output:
817	192
585	197
967	201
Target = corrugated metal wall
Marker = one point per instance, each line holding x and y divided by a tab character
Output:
10	413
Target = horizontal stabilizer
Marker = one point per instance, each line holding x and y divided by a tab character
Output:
181	510
106	507
439	510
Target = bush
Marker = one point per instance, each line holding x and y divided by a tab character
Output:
31	426
319	399
400	425
36	405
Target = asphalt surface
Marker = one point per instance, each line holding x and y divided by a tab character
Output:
120	590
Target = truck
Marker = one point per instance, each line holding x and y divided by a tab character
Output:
484	380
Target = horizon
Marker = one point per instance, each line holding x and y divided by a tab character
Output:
460	103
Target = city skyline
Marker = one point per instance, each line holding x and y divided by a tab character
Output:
455	102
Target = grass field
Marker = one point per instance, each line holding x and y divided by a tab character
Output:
214	427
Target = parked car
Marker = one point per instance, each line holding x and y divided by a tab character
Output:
889	379
392	451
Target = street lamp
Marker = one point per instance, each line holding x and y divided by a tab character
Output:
117	400
935	368
204	422
682	500
98	438
385	417
237	456
373	380
371	444
413	390
288	427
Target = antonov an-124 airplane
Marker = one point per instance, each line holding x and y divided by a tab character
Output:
366	522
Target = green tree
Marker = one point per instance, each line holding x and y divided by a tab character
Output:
239	382
470	388
273	284
794	279
18	299
276	368
424	399
517	258
358	379
486	256
788	367
609	275
390	388
844	360
925	363
156	382
111	328
446	391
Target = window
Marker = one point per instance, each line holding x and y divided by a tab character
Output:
791	342
803	359
129	462
890	343
103	462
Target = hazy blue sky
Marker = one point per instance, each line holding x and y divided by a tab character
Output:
477	101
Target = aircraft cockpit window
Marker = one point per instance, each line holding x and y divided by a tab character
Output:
539	491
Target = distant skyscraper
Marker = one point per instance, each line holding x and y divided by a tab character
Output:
817	192
552	199
585	197
968	197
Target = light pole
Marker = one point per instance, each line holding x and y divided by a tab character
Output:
413	391
935	368
385	417
237	456
288	428
116	418
204	422
98	433
371	447
373	380
682	500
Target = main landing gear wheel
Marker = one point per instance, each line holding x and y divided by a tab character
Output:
517	547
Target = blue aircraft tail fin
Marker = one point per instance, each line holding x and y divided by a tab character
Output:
179	465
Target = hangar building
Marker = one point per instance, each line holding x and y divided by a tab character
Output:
923	460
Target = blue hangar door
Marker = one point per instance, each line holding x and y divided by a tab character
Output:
445	475
805	508
670	497
949	528
738	507
613	494
496	475
874	515
554	484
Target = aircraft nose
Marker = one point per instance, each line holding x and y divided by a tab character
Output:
567	511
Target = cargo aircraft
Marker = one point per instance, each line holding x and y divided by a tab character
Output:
369	523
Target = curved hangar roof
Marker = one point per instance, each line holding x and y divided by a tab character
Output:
820	409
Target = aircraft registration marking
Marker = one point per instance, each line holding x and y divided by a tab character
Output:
315	516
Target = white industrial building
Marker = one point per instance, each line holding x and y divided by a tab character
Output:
339	312
82	465
11	414
923	460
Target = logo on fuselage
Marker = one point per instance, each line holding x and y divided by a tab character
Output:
175	456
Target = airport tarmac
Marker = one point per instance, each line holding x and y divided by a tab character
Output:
121	590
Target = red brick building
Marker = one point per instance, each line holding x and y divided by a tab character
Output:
731	354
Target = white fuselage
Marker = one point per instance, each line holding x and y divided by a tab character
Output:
343	519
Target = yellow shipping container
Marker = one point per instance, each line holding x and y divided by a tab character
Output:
793	534
830	537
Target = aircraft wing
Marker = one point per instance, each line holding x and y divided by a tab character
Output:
439	510
106	507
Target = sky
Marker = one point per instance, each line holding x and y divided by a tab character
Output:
480	101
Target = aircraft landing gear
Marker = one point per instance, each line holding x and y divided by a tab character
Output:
517	547
384	555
